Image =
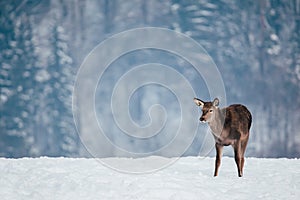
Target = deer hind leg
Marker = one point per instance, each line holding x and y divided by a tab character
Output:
243	149
238	158
219	149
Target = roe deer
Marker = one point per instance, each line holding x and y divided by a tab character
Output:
229	126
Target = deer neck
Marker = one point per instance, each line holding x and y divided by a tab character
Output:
216	125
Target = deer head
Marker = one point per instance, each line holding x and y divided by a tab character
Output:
208	109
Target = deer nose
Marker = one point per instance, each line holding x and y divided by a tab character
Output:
201	119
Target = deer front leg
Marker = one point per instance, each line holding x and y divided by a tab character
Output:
219	149
238	158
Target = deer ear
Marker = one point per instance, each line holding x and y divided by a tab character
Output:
198	102
216	102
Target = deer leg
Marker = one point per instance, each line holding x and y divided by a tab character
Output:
243	149
219	149
238	157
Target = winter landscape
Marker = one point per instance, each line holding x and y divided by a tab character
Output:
96	98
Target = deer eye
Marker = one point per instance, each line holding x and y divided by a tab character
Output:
211	110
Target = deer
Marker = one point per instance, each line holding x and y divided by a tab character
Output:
229	126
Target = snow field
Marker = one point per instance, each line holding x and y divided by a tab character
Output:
187	178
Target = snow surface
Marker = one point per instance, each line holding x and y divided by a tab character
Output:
187	178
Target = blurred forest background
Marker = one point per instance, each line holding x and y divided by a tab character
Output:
255	44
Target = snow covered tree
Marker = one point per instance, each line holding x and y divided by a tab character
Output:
17	72
56	100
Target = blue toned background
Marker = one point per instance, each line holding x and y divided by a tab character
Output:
255	44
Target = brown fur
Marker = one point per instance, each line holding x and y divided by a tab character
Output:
229	126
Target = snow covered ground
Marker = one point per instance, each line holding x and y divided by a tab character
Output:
187	178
